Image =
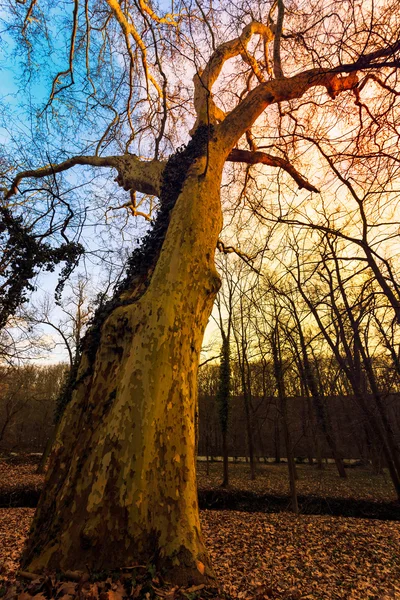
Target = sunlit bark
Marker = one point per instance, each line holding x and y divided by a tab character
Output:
121	487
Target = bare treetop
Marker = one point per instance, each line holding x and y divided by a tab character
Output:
124	72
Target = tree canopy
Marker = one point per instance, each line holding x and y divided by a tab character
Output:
97	82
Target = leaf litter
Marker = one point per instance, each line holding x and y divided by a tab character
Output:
256	557
361	482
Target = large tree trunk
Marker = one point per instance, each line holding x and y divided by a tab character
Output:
121	487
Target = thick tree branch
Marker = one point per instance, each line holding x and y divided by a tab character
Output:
253	158
334	80
142	176
279	90
203	81
169	19
133	173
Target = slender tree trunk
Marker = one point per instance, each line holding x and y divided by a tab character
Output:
4	427
311	384
380	425
314	433
223	398
307	428
391	439
277	436
225	458
290	459
356	431
249	431
121	487
348	366
243	364
376	460
284	417
320	464
331	438
207	454
321	411
381	438
383	435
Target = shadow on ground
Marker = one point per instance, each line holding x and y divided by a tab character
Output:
247	501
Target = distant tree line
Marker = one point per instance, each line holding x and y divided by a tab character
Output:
28	396
314	351
348	425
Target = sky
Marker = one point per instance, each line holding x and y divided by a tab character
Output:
36	93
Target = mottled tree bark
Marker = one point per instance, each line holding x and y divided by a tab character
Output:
121	488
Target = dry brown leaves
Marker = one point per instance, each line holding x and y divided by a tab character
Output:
19	476
313	557
79	586
14	527
361	483
259	556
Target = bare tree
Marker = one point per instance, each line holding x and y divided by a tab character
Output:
279	372
309	380
77	311
121	488
224	383
27	400
340	329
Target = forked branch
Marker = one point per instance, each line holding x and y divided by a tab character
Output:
129	30
233	250
57	86
271	92
204	80
343	77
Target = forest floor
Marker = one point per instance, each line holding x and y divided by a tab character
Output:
21	486
320	492
272	479
258	555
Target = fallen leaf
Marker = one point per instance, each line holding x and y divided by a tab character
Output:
200	566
